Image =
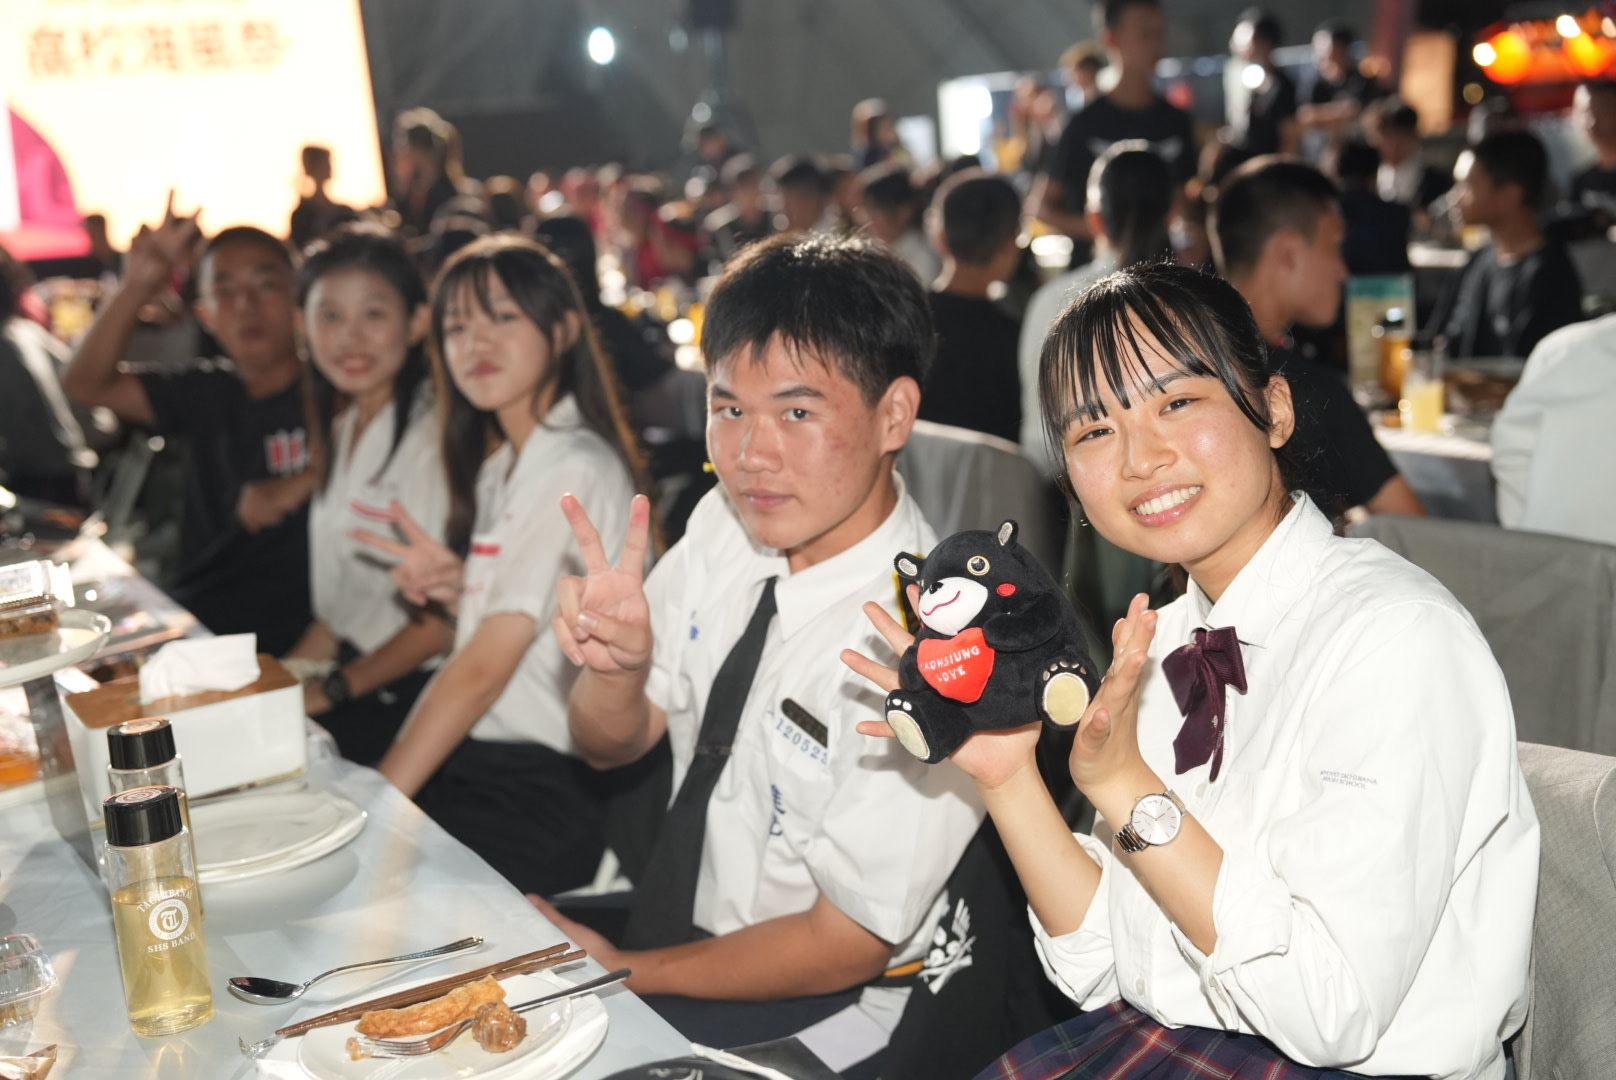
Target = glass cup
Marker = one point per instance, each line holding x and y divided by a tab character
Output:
1421	403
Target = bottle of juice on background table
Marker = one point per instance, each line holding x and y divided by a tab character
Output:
151	875
141	753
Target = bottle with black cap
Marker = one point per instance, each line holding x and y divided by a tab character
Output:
151	875
141	753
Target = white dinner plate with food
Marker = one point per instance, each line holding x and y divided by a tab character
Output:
560	1038
78	636
253	835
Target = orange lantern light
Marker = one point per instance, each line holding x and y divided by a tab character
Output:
1587	55
1511	57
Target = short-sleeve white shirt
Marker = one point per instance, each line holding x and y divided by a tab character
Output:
806	805
353	594
1380	851
521	545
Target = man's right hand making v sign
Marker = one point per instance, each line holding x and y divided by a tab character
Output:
604	621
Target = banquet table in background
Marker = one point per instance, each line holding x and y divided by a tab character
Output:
402	885
1451	472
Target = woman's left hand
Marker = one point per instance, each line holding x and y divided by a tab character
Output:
1106	749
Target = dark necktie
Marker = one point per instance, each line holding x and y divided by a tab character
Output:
665	895
1199	674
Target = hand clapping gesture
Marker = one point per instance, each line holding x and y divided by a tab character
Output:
425	570
604	621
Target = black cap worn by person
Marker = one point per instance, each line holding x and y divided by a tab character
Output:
141	744
142	815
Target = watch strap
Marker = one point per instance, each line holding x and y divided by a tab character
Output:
338	691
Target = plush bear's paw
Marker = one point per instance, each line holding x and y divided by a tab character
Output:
901	717
1065	694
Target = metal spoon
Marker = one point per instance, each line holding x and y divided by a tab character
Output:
274	992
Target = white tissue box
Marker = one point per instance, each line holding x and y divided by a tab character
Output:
225	738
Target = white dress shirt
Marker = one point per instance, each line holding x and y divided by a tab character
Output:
1374	905
353	594
521	545
1554	428
805	808
1042	310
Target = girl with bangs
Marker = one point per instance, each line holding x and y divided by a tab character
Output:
529	413
361	307
1314	852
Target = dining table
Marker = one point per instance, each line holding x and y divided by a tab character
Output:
401	885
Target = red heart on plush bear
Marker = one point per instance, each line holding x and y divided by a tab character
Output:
958	667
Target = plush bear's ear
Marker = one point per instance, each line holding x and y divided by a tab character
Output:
1007	534
909	567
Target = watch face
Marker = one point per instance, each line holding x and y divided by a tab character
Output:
1156	819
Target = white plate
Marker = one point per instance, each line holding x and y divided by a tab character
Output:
257	828
318	849
558	1041
78	636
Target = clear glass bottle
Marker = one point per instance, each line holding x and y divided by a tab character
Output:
151	875
141	753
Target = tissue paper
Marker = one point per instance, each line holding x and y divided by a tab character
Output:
200	664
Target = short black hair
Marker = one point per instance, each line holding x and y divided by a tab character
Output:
1264	24
1395	113
1341	32
800	171
1516	157
846	302
1199	320
1108	13
888	186
1265	196
980	213
247	234
1356	162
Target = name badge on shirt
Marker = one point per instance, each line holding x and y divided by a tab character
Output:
805	722
485	546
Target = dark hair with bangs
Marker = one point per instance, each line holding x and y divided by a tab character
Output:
543	289
848	302
1200	320
1266	195
375	250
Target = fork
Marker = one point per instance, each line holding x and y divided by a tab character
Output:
438	1040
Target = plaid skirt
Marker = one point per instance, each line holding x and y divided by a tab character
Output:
1118	1042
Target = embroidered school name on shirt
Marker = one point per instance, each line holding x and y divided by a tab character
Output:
1346	779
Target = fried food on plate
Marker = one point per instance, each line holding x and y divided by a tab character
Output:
458	1004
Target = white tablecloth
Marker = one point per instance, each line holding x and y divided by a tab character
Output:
1451	473
403	885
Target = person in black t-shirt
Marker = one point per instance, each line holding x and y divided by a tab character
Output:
244	564
1276	234
1595	187
1269	125
1336	92
1377	229
1522	284
973	381
745	219
1133	33
316	212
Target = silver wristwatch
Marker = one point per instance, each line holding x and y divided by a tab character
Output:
1156	820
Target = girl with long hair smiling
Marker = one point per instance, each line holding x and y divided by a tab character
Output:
1315	854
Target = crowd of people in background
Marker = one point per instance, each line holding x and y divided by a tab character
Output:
383	407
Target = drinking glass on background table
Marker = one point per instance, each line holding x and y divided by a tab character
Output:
1421	403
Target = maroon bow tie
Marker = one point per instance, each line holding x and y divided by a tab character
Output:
1198	673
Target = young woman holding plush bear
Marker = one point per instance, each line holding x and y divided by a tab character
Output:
1315	849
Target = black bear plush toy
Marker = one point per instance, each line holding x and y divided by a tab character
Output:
999	645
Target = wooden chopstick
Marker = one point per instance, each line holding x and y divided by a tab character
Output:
516	965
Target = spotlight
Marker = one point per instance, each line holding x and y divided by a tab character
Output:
602	46
1568	26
